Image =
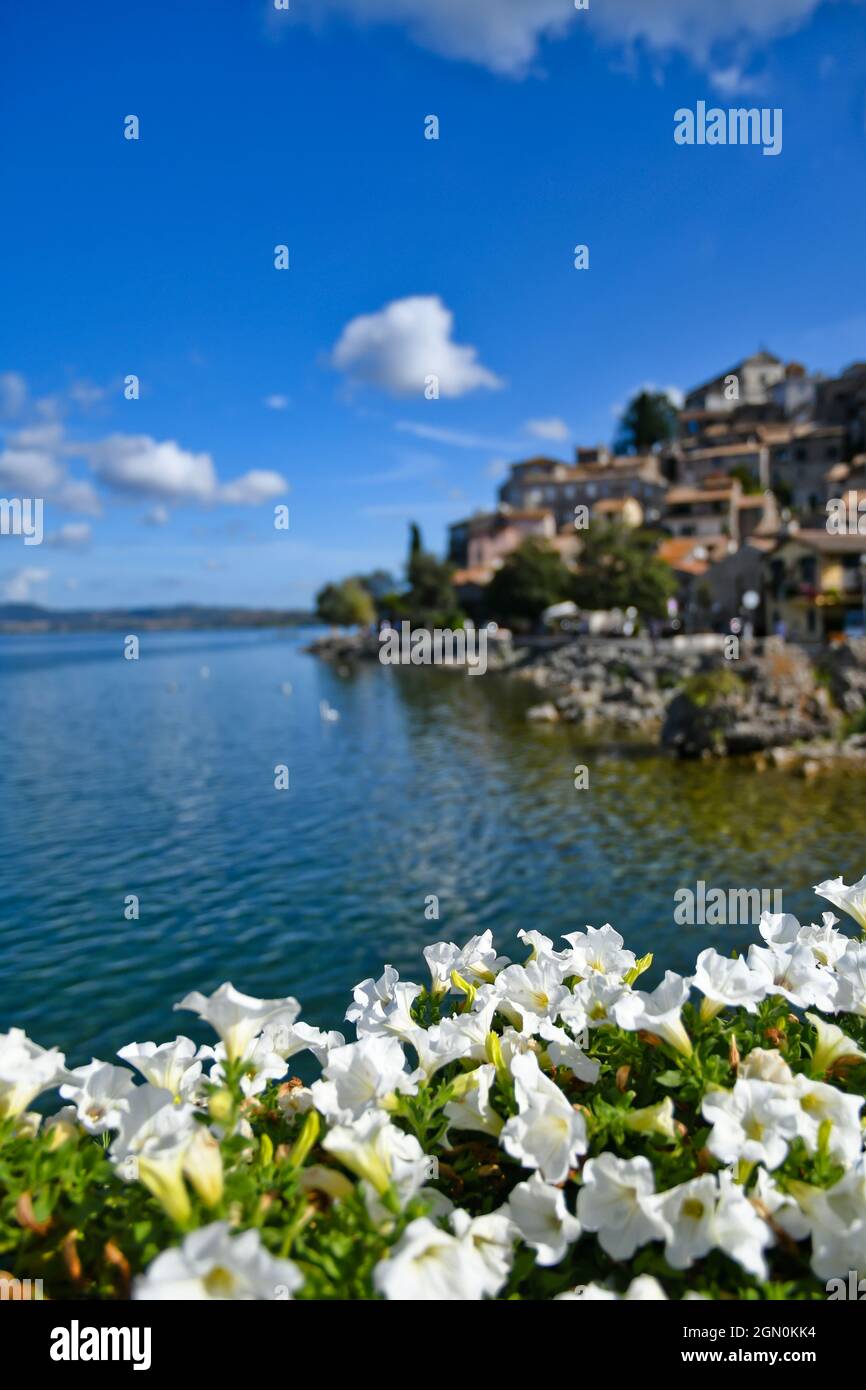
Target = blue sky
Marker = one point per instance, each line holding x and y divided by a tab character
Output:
306	128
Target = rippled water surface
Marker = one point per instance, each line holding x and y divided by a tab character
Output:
148	778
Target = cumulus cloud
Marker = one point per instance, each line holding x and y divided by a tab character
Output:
144	467
32	464
409	340
505	35
259	485
695	27
277	402
552	428
17	585
502	35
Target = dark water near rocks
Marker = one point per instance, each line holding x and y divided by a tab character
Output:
120	777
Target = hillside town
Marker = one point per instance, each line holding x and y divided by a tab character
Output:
741	498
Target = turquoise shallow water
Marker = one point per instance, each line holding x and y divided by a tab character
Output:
120	777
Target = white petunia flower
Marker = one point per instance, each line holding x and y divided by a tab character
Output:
432	1266
565	1052
616	1201
360	1075
530	993
825	942
739	1230
26	1069
597	951
547	1133
658	1012
476	962
819	1106
370	994
593	1003
260	1065
688	1212
384	1015
727	983
765	1064
709	1213
380	1154
99	1092
541	947
492	1238
213	1265
832	1046
779	928
851	900
238	1018
288	1039
538	1211
850	995
780	1205
152	1139
837	1220
793	972
174	1066
470	1107
755	1122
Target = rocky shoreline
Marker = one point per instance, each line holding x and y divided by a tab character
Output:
775	704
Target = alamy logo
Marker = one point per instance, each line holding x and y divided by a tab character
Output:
854	1288
738	126
76	1343
438	646
22	516
720	907
846	516
20	1290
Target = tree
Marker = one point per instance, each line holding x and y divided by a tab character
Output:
532	578
619	568
345	605
650	418
431	600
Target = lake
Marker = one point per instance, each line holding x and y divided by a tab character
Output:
156	778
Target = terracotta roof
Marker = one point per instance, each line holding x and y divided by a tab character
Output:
614	504
478	574
826	543
721	450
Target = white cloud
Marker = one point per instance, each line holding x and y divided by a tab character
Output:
140	465
277	402
85	394
144	467
505	35
74	535
13	394
502	35
259	485
697	27
407	341
16	585
458	439
552	428
732	81
32	465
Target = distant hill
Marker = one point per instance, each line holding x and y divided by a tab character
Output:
30	617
